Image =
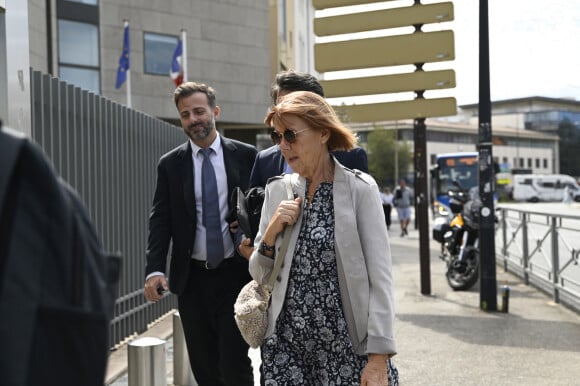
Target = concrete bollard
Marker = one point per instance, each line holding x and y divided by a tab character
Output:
182	374
147	362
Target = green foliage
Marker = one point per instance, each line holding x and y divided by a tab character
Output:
384	153
569	145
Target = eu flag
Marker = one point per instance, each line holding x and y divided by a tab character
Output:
123	60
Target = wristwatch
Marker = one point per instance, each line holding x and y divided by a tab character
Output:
265	248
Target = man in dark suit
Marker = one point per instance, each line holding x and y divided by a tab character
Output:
206	285
270	162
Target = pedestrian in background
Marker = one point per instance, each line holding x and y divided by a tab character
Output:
402	201
331	314
190	210
387	200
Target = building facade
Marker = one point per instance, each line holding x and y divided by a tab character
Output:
531	113
292	38
512	148
237	47
227	46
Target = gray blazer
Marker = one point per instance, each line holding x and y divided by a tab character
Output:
363	258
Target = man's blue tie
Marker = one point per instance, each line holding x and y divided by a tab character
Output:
211	212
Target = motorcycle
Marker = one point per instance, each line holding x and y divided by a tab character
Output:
459	238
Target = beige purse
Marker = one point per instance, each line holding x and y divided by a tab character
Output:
251	306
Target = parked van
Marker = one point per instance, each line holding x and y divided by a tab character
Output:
544	187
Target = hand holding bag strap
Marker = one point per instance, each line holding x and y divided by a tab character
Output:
285	241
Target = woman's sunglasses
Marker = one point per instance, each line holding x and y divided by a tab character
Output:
288	135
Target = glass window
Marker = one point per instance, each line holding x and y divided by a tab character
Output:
78	43
158	52
84	78
282	20
91	2
545	163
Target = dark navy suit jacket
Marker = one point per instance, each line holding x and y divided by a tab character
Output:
270	163
173	216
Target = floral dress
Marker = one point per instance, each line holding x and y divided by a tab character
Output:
310	344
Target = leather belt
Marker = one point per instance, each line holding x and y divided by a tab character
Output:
203	263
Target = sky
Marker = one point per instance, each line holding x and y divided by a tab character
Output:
534	49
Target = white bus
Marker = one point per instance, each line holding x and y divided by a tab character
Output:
544	187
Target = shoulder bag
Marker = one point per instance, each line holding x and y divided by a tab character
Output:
251	306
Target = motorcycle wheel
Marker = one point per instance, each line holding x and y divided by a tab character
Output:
462	276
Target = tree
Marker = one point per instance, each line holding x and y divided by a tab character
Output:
384	153
569	144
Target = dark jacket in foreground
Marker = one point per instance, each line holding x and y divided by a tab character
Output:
57	286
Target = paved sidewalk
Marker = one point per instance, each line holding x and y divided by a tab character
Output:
445	339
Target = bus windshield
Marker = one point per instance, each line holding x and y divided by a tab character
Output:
460	167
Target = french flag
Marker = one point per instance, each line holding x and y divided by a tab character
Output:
176	71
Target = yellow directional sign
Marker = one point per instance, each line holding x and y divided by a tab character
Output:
322	4
395	50
382	19
392	111
384	84
384	51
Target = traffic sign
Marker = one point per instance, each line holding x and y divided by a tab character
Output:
384	84
384	18
384	51
392	111
322	4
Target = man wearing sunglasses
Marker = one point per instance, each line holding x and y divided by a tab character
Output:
269	162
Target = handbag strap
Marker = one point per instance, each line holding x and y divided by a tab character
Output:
285	241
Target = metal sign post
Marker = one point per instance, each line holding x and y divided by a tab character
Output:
488	288
422	202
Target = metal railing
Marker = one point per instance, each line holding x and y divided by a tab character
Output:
109	154
543	249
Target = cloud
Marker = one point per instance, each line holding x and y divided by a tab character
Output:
532	49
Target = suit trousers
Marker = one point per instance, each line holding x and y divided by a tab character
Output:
217	352
387	209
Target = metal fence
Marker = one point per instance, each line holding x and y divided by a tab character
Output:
544	250
109	154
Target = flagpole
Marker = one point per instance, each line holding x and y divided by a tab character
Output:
128	84
184	54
